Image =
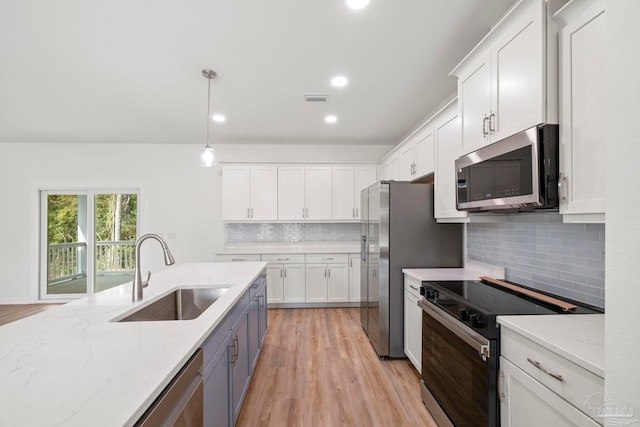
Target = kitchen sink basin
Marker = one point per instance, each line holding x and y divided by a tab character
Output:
181	304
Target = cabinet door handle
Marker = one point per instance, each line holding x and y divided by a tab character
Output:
501	394
329	271
285	273
357	212
492	124
551	374
280	272
351	263
484	126
248	214
325	272
562	188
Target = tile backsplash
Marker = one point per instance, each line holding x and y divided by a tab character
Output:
540	251
293	232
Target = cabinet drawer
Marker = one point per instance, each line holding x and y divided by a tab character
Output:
412	286
576	384
327	258
238	257
284	258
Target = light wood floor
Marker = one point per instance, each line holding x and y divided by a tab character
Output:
317	368
13	312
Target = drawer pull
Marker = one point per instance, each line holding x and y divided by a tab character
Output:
551	374
283	259
237	259
413	287
327	259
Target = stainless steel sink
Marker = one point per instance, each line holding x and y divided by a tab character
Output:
181	304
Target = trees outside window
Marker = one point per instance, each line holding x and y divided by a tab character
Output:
90	238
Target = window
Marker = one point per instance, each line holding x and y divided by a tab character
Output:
87	241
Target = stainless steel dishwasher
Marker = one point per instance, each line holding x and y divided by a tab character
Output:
181	402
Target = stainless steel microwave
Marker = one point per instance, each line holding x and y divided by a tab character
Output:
518	173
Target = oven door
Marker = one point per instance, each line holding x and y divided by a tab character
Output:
459	368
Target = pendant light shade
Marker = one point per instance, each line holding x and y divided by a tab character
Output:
208	156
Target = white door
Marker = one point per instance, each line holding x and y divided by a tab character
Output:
518	62
354	279
264	193
236	193
294	283
318	192
474	97
343	190
316	282
291	193
528	403
364	176
448	143
275	283
424	151
406	162
338	283
582	112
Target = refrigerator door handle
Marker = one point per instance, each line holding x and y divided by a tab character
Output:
363	248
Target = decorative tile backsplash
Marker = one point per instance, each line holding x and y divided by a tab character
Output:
540	251
293	232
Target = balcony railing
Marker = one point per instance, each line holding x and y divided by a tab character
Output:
68	260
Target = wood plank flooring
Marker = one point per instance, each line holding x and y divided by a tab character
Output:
317	368
13	312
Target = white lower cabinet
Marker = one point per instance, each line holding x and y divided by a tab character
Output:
285	278
527	403
327	278
538	387
237	257
354	278
412	322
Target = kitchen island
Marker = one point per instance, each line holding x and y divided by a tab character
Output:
75	366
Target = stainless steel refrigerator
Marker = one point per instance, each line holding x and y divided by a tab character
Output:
398	230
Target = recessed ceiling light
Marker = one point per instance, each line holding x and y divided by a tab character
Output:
331	119
357	4
219	118
339	81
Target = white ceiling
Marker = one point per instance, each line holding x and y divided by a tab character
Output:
129	71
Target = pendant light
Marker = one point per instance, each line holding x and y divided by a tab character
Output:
208	155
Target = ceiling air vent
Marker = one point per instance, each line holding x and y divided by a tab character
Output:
316	97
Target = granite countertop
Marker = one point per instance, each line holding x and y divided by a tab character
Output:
472	271
578	337
72	366
292	248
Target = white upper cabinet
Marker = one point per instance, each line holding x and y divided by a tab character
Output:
343	191
318	192
507	83
291	193
416	155
424	151
347	183
582	111
249	193
448	139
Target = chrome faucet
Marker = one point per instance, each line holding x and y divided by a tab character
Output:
138	284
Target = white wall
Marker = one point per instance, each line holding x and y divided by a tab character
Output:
622	289
177	194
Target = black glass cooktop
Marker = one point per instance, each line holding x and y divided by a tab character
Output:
478	303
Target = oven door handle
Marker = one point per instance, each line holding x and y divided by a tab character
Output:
468	335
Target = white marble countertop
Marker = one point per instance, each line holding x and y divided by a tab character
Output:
292	248
472	271
71	366
577	337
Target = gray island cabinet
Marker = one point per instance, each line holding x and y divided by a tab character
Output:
231	354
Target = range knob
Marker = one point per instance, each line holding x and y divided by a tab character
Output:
464	314
477	320
432	294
